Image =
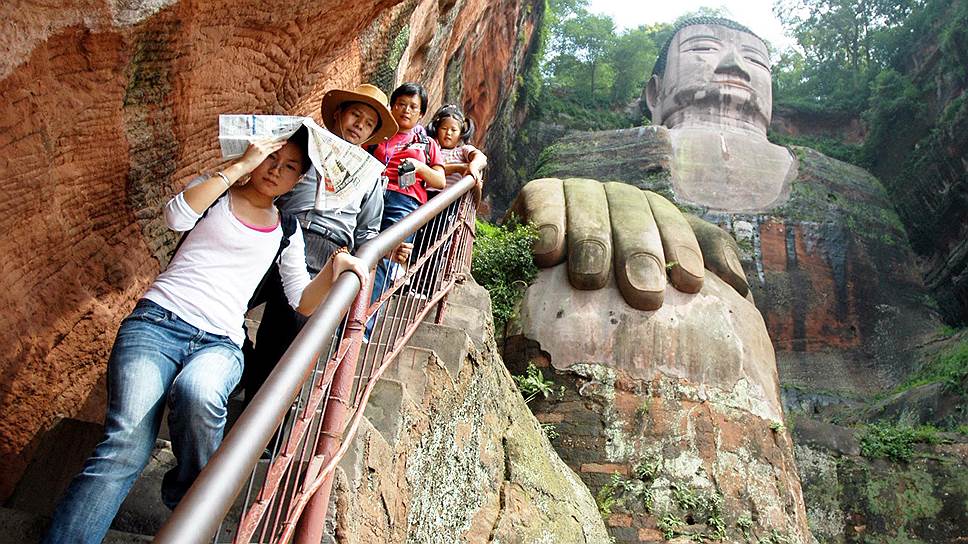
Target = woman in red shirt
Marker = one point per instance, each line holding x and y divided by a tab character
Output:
408	104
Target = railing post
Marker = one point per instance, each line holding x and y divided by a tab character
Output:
312	522
451	267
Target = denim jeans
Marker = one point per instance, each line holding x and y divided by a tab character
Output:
157	358
396	206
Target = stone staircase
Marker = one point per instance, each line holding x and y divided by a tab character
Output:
402	387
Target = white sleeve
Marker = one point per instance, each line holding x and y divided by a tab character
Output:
292	268
179	216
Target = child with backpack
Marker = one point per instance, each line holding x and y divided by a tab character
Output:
181	345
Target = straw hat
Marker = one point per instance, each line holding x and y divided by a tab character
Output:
367	94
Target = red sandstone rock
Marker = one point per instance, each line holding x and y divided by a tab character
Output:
684	399
108	110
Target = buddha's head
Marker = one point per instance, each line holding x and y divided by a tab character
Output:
712	71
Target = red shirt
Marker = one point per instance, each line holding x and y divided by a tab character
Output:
407	145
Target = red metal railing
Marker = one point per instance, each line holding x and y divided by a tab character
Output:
325	378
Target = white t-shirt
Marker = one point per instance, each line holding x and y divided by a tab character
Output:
213	275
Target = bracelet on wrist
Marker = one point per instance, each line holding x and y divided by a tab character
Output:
337	251
225	179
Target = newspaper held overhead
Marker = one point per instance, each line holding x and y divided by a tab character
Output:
345	170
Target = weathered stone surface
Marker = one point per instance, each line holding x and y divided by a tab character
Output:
922	158
109	107
840	126
853	499
61	454
830	268
668	414
466	462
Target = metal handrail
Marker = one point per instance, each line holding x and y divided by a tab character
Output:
198	515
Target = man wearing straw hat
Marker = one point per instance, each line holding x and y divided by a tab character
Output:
361	117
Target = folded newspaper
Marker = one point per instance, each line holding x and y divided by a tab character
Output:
345	170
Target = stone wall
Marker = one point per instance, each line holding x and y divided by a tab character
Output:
671	417
449	452
110	107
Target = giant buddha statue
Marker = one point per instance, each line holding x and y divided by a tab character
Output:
670	377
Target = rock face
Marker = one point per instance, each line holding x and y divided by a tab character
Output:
450	453
110	107
854	499
839	126
921	154
673	417
830	267
679	401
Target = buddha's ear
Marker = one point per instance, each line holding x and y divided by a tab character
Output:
652	96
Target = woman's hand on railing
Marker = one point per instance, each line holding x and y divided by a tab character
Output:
402	253
344	261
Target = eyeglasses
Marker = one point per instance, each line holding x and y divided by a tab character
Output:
406	106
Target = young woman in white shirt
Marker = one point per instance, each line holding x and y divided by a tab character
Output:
182	342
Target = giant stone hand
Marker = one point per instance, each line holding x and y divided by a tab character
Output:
599	227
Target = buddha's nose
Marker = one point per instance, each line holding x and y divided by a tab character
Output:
732	63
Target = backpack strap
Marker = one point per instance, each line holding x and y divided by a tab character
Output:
425	140
289	226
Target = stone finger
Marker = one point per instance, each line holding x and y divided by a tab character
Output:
720	253
589	233
542	203
639	258
682	254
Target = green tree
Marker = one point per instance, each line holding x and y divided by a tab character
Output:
843	44
633	55
584	43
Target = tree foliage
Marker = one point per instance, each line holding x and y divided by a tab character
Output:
593	73
502	263
843	46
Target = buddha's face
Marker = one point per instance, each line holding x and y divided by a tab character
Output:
713	75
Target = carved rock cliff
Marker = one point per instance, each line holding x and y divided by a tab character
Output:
110	107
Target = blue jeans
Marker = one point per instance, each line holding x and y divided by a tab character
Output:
157	357
396	206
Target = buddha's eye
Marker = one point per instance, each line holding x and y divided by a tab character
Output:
759	62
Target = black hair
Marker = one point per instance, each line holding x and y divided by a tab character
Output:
410	89
660	63
452	111
301	139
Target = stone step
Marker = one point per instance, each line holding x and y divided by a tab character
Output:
469	293
142	511
385	408
467	307
468	319
410	369
19	527
449	343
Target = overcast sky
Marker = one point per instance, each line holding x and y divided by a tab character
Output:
757	15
